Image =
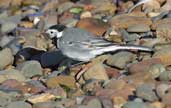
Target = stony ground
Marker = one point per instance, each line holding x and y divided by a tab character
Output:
33	72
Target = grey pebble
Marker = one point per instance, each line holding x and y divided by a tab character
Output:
140	28
156	69
145	91
133	104
30	68
165	76
120	59
11	74
19	104
6	58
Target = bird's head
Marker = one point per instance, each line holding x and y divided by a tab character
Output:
55	31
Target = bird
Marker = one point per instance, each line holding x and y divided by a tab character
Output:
81	45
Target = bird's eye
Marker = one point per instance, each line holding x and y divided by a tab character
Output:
51	32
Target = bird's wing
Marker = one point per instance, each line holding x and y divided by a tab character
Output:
93	43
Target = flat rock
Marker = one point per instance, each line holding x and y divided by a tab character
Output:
125	21
144	65
163	31
156	70
97	71
146	92
120	59
138	28
11	74
157	23
44	105
6	58
136	105
19	104
103	6
30	68
164	54
96	26
56	81
166	99
8	26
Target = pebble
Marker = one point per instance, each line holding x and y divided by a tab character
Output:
4	101
146	92
11	74
103	6
97	71
116	84
162	89
126	20
93	103
128	37
139	28
64	7
120	59
19	104
165	76
44	97
166	99
5	40
30	68
156	70
160	22
107	103
44	105
163	31
143	66
166	6
6	58
164	55
136	105
121	80
8	27
95	26
85	14
56	81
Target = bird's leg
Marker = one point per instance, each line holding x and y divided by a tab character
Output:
82	71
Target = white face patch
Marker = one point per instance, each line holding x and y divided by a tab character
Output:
54	33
